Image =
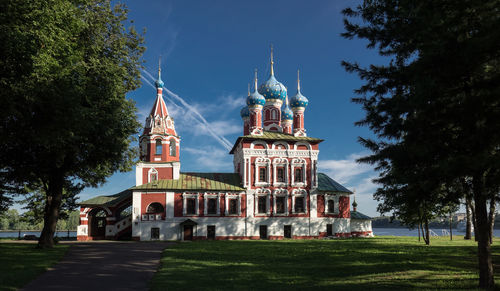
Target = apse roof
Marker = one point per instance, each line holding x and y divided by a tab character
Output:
327	184
197	181
270	135
110	200
359	215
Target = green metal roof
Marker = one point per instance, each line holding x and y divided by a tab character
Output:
111	200
268	135
327	184
197	181
359	215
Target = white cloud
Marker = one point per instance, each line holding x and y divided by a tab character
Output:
345	170
217	160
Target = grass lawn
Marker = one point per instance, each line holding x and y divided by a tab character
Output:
21	263
375	263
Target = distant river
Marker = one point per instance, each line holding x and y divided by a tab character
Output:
15	233
414	232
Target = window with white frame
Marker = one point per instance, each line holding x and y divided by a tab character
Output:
190	204
158	148
172	147
212	204
331	204
233	204
153	175
299	172
262	198
299	197
280	197
262	171
280	166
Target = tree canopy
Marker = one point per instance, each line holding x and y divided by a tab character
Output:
65	120
435	106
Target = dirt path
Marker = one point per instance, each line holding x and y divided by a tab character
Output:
103	266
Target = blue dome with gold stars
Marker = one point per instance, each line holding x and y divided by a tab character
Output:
255	99
299	100
245	112
272	89
286	113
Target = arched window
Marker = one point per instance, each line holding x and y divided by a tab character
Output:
273	114
153	175
298	175
331	206
155	207
173	147
158	147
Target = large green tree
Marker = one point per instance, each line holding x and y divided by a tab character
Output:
435	106
66	67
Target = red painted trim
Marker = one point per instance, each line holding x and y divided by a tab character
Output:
361	233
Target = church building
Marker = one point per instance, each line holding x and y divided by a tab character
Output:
275	191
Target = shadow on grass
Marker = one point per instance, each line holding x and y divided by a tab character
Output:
377	263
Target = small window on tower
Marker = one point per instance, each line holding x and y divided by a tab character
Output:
153	177
273	114
262	174
158	147
172	147
299	175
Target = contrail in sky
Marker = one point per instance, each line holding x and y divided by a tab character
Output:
200	119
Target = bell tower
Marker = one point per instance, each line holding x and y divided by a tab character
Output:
159	143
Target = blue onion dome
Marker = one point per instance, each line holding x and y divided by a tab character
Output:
245	112
159	82
299	100
255	98
286	112
272	89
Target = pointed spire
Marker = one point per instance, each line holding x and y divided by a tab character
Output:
298	81
272	61
159	68
255	80
159	83
248	89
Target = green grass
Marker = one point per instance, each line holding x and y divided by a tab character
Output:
21	263
375	263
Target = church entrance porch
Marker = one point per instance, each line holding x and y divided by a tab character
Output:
97	224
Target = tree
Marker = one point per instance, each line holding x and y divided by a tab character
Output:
437	99
34	203
65	121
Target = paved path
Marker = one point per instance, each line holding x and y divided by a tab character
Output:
103	266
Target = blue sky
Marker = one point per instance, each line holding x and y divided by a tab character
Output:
209	51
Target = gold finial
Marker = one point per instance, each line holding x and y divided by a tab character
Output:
248	89
272	61
159	68
298	80
255	80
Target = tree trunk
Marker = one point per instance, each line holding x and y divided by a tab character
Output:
468	224
491	219
425	232
451	231
486	279
418	227
51	215
474	220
